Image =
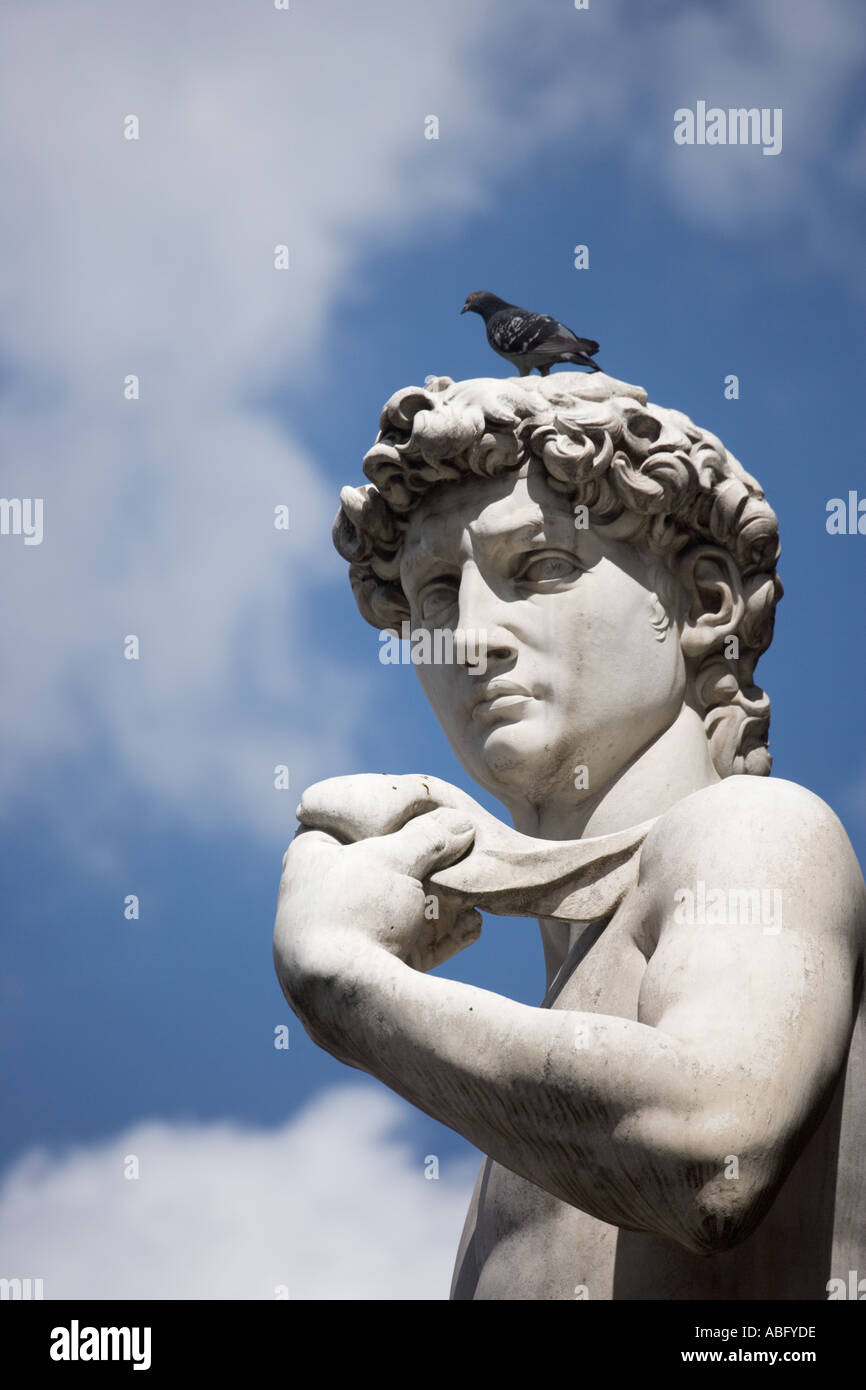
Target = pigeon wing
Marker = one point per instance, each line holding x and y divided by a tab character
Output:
561	339
515	333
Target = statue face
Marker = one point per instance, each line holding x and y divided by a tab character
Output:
576	674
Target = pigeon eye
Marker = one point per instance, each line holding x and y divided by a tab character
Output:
548	569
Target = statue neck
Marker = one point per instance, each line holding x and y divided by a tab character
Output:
673	765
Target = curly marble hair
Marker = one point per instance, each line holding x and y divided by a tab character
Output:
645	474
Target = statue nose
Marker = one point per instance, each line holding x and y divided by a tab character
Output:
489	649
483	613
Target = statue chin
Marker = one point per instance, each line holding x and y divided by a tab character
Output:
513	757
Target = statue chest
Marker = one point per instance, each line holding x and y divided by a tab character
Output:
602	972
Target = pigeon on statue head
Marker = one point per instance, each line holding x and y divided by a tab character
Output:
526	339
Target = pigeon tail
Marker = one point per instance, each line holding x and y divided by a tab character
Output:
584	359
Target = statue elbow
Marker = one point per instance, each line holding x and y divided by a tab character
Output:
726	1213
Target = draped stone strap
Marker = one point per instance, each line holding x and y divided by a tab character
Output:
516	875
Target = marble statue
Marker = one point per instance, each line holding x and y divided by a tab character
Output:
684	1115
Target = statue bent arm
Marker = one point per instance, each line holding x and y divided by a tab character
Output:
740	1035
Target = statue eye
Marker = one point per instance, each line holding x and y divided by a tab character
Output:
437	599
549	568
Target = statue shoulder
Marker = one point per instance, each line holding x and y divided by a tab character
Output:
749	831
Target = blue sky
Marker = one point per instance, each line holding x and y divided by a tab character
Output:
260	387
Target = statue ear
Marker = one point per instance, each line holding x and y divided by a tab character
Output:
716	605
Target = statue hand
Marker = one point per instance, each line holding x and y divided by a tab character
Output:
356	807
336	901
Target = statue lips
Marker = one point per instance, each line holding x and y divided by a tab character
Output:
495	698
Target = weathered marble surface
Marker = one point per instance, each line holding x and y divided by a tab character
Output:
684	1116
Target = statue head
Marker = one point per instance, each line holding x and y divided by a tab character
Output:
613	560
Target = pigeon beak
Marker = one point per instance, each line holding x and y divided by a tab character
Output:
465	307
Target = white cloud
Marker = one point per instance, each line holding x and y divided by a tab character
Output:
333	1205
156	257
786	54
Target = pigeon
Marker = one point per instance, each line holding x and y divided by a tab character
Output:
528	340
